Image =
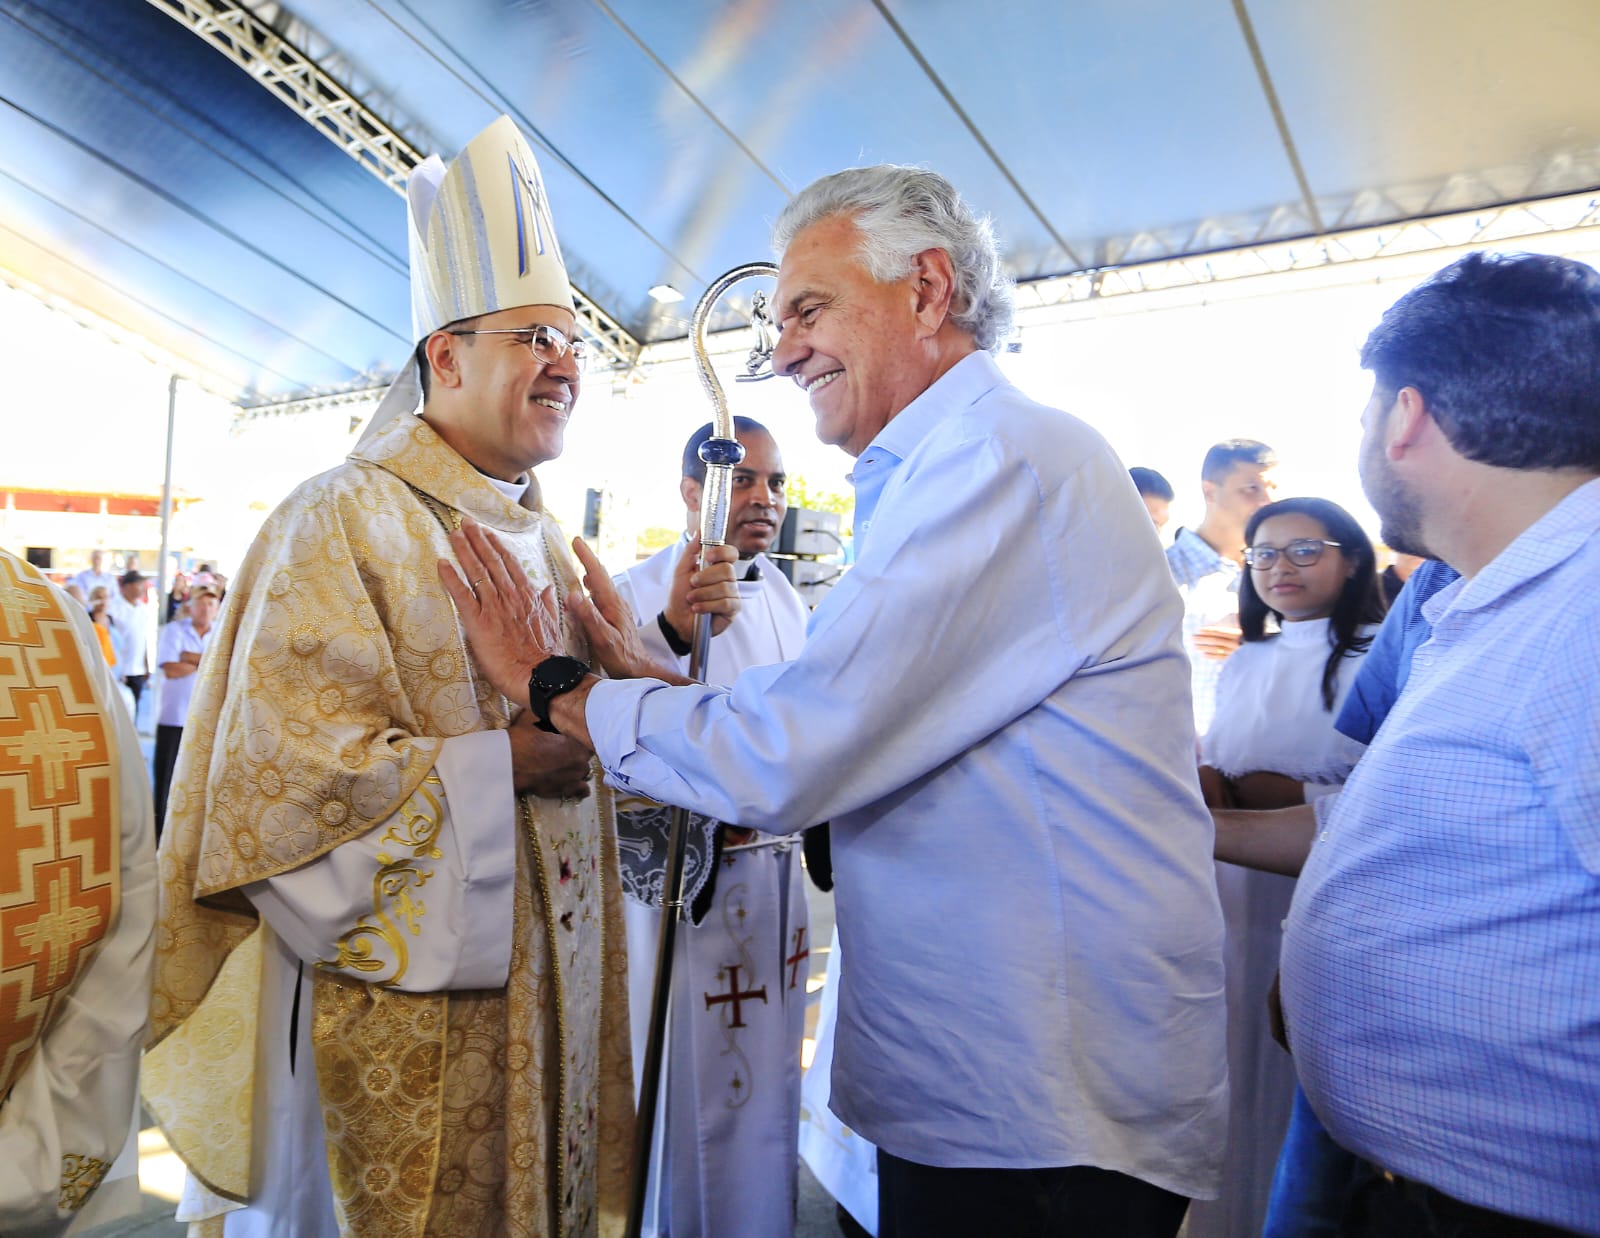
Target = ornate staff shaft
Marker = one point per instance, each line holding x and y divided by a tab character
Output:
721	452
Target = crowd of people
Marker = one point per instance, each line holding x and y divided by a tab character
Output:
1230	883
151	646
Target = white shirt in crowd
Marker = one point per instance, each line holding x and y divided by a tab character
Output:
133	635
178	637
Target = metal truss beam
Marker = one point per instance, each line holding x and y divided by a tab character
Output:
364	394
1460	194
218	385
327	105
300	83
1518	222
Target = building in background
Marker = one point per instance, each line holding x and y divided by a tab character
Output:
56	529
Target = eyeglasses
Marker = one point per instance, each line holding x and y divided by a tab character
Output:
1302	552
547	343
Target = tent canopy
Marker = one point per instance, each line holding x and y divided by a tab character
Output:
152	180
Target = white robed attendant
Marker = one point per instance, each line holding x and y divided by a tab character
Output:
725	1157
1273	716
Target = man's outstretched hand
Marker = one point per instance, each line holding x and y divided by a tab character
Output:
511	626
613	629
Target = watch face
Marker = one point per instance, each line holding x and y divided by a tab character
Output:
549	680
559	674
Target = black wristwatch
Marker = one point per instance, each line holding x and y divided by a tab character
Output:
549	680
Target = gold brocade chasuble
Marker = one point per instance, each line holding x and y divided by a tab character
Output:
337	668
60	828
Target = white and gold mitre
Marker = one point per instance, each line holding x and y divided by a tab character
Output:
482	240
482	236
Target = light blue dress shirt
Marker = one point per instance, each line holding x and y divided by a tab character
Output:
1209	585
993	709
1441	965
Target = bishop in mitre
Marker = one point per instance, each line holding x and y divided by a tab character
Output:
389	994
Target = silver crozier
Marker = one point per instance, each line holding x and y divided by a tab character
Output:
721	453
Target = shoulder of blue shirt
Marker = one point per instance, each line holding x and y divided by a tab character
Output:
1388	662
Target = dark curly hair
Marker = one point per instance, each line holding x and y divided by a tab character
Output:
1505	349
1359	602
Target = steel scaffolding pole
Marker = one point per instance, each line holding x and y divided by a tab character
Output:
166	491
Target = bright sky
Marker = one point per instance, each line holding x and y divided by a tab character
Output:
1162	382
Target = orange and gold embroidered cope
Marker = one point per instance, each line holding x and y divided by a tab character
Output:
59	840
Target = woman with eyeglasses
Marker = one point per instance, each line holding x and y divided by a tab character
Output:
1309	605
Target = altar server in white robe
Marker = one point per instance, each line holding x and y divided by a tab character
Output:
78	904
1311	571
726	1157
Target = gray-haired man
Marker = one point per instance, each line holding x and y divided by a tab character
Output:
992	708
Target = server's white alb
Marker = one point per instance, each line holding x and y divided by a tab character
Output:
730	1150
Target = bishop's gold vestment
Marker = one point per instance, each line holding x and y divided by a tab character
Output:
337	672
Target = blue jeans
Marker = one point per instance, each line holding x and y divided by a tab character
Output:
1312	1180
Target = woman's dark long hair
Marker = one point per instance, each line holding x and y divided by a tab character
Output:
1359	602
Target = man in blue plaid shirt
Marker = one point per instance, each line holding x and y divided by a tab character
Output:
1441	985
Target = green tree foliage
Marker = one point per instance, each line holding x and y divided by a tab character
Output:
801	494
656	537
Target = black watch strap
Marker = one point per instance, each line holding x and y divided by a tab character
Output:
676	643
549	680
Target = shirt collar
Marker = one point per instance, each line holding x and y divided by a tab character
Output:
513	490
1548	542
1197	547
951	394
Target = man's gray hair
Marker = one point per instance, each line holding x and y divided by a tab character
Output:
902	211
